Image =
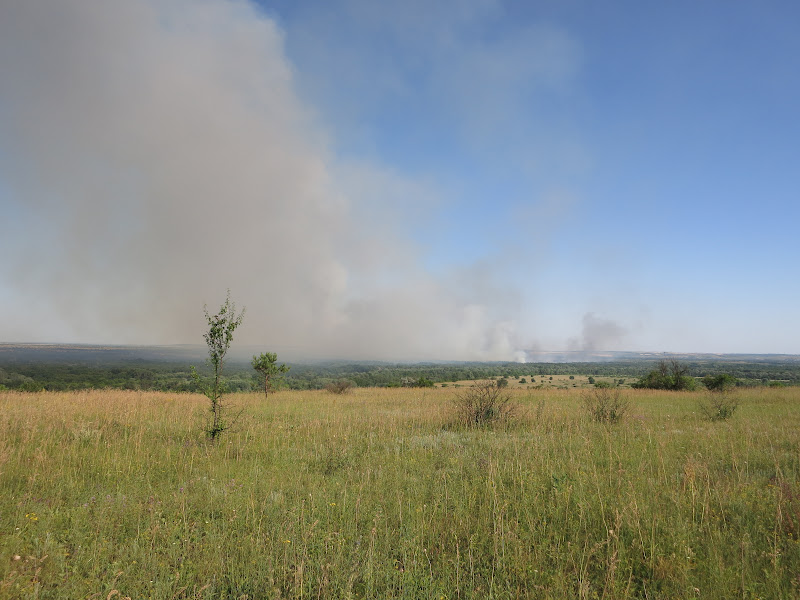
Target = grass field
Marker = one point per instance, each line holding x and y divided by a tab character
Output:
544	382
376	494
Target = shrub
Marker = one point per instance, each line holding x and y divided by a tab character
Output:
339	387
502	382
422	382
605	404
720	383
30	386
483	404
719	405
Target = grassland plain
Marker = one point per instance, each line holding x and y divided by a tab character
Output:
112	494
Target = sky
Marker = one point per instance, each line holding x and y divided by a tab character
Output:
437	180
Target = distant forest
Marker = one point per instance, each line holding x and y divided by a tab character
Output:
59	368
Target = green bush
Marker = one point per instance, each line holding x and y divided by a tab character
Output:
30	386
720	383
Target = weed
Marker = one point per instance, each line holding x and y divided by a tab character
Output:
341	386
605	404
719	405
788	507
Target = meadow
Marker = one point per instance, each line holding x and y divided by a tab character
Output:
377	494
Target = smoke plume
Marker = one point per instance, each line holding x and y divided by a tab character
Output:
156	154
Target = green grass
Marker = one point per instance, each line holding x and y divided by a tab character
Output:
375	494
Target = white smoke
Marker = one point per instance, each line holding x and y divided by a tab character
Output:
155	154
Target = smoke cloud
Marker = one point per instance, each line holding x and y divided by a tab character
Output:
155	154
600	334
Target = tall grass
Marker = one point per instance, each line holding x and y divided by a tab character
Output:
376	494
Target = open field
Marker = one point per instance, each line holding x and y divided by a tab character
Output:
374	494
544	382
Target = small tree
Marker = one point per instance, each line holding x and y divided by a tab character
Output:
218	339
670	375
266	364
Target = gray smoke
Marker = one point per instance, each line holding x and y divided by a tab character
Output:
155	154
601	334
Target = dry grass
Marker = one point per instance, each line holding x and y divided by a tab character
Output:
372	495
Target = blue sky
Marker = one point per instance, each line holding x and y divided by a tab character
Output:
472	179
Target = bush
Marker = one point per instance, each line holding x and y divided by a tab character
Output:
422	382
339	387
30	386
720	383
719	405
483	404
605	404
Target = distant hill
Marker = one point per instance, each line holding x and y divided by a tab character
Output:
55	353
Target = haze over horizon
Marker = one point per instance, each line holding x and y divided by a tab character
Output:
453	180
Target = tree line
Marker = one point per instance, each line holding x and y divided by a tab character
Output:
169	376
